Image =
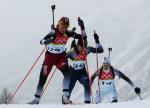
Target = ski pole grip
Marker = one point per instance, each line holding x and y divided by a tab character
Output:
109	49
53	7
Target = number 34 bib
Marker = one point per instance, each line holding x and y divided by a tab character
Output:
56	48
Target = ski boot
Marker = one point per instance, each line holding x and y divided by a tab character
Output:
35	101
114	101
87	102
65	100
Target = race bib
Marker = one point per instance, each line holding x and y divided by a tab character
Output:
77	65
55	48
107	87
106	82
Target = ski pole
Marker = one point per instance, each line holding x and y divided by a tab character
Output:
87	66
96	53
73	44
53	8
139	96
97	67
27	74
109	49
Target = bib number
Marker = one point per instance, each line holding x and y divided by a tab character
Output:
56	48
77	65
106	82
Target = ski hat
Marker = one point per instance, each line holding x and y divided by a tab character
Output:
106	61
64	20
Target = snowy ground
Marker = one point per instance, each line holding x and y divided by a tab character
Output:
122	24
133	104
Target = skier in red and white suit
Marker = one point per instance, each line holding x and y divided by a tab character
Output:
106	75
55	54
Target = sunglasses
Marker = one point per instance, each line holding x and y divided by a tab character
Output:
64	23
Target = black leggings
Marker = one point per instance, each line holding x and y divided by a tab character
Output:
83	78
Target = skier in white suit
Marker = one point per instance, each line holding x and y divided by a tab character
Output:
106	75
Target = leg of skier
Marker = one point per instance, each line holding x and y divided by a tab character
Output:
66	82
97	97
103	92
48	63
108	92
73	79
62	65
114	96
84	80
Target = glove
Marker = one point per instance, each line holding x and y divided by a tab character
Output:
81	24
47	41
96	37
137	90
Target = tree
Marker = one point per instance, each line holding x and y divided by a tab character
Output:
5	97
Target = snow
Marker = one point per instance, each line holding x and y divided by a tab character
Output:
122	24
133	104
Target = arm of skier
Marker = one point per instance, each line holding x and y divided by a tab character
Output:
48	38
94	75
70	54
123	76
72	33
99	47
